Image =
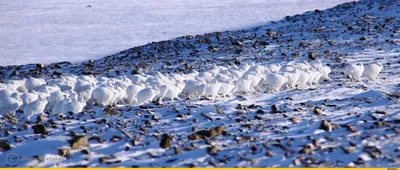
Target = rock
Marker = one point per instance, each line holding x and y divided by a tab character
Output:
177	150
213	133
41	118
56	74
259	111
165	141
64	152
220	130
96	138
212	150
312	56
4	146
217	131
318	111
39	66
111	111
396	130
116	138
204	133
219	110
258	117
315	143
275	109
350	28
381	112
104	159
136	71
194	137
348	150
134	142
307	149
147	123
237	43
78	141
154	117
253	148
85	151
295	120
325	125
363	38
12	119
297	162
269	154
39	129
189	36
14	73
113	162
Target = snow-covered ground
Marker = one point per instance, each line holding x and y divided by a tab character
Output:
336	123
49	31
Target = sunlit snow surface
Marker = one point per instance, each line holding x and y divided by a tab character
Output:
48	31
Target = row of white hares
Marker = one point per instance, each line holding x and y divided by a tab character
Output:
70	94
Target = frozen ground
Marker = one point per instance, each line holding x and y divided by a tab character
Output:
363	116
49	31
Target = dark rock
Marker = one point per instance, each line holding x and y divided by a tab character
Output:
220	130
348	150
177	150
127	134
350	28
78	141
312	56
237	43
315	143
96	138
111	111
219	110
318	111
12	119
275	109
39	129
189	36
4	146
269	154
64	152
212	150
39	66
104	159
307	149
295	120
194	137
136	71
325	125
85	151
165	141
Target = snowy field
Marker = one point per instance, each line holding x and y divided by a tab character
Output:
49	31
320	89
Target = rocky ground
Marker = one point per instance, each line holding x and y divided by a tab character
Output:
338	123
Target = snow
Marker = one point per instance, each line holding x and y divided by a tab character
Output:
364	115
48	31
